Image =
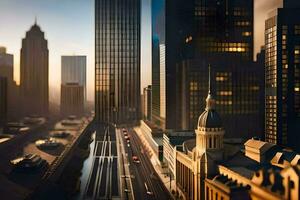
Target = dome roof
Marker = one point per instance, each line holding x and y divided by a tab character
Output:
210	119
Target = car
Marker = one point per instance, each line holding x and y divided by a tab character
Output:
147	189
126	137
135	159
28	162
126	191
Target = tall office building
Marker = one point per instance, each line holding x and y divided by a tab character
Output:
34	72
199	32
7	71
72	99
3	101
158	38
162	85
282	41
73	70
155	81
117	61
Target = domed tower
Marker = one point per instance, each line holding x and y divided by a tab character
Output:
209	132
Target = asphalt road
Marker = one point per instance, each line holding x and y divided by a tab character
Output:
145	181
104	178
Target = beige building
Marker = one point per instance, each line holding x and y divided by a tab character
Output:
213	169
72	99
198	159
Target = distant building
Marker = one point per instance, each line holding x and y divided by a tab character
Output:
73	70
3	101
117	61
6	64
147	103
34	79
7	70
72	99
282	98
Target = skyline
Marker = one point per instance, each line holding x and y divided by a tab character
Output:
77	34
150	99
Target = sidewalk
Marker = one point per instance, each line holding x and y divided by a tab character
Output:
162	172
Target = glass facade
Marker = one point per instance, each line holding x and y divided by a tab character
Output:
158	39
205	31
238	90
282	100
117	61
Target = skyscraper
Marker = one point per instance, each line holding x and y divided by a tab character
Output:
158	38
162	85
7	71
34	72
73	70
72	99
206	30
282	41
117	61
155	81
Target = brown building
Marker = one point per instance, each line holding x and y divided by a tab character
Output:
34	72
7	71
147	103
3	101
72	99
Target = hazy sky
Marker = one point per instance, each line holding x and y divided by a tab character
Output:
69	29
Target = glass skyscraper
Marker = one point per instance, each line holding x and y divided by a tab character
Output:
208	31
117	61
282	40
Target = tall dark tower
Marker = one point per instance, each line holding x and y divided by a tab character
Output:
35	72
117	61
282	98
206	31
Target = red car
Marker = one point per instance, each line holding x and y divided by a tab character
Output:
135	159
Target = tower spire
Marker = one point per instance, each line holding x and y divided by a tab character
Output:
209	77
35	20
209	100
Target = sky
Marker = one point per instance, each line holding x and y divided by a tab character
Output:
69	29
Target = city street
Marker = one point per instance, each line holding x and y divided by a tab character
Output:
146	183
